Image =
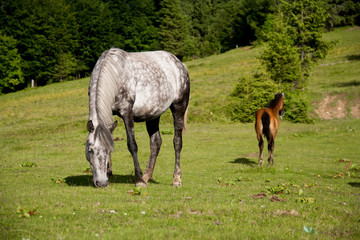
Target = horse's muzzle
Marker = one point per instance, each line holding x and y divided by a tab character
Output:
101	183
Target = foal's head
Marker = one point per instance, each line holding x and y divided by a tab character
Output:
279	97
99	146
277	104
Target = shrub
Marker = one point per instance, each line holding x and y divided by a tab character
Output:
249	95
296	108
253	93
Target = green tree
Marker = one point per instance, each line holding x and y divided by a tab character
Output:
225	26
257	13
201	17
306	19
96	32
342	13
173	27
65	67
10	70
139	25
294	46
43	29
296	40
281	56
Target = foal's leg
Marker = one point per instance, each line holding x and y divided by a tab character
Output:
132	146
261	148
155	144
178	111
259	132
271	146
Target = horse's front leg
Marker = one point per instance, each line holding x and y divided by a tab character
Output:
132	146
109	168
155	144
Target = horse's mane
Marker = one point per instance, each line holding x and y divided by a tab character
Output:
275	101
104	136
102	91
107	86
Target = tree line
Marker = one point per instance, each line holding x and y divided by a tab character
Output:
55	40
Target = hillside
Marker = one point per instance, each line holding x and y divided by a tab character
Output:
334	81
213	78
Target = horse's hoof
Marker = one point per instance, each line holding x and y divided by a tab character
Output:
146	177
141	184
177	183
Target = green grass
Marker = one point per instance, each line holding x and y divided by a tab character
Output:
46	191
340	71
213	79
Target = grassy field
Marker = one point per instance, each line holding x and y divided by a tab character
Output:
46	190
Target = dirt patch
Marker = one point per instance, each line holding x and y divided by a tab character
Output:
259	195
276	198
252	155
286	213
332	107
355	110
335	106
354	28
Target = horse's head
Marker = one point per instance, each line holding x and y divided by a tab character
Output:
99	146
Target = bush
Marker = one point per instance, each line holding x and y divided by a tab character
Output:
296	108
253	93
249	95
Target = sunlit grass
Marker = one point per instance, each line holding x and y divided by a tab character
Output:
214	158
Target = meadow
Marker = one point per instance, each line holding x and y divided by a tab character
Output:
312	191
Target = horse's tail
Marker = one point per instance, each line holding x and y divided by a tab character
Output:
265	119
185	120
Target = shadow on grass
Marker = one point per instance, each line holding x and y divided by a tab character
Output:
353	83
245	161
86	180
355	57
354	184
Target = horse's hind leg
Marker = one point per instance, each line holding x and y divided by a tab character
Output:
259	131
178	111
271	146
155	144
261	148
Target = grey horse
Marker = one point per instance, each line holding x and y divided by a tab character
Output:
136	87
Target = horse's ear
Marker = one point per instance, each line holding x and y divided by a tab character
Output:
90	126
283	93
113	126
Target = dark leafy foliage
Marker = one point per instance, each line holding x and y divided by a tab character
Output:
10	70
62	39
296	108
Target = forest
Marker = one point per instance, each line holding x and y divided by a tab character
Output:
57	40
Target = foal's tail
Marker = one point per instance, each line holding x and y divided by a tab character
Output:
185	120
265	119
